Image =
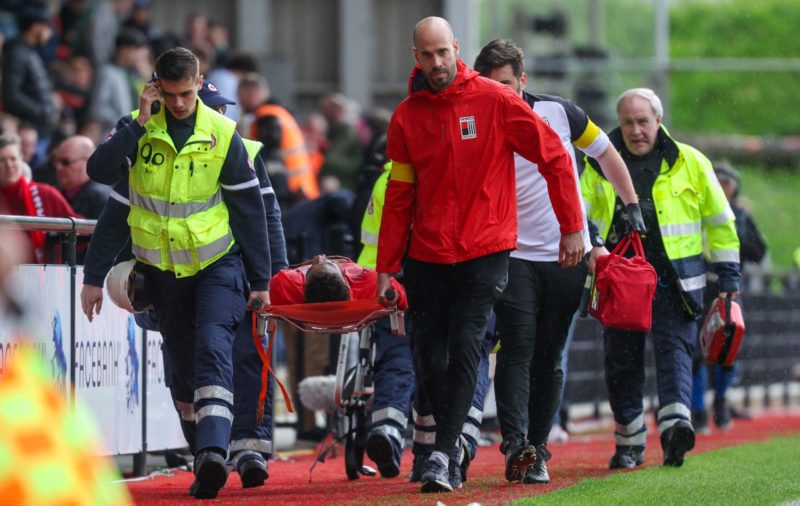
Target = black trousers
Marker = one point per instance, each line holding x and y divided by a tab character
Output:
533	318
450	305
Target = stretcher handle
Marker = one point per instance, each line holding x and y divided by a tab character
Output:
261	320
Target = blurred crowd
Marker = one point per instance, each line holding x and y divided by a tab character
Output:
71	69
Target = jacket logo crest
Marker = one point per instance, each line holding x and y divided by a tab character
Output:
467	126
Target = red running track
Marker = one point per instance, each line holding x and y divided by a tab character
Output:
580	458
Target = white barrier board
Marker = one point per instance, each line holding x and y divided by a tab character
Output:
163	424
45	326
107	373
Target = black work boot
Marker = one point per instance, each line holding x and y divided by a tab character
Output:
627	457
211	473
252	470
416	468
537	472
381	450
676	441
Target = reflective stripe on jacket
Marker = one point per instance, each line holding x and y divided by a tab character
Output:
179	221
689	204
371	223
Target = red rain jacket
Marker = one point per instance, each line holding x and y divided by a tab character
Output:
461	143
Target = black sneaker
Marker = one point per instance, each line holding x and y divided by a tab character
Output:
416	468
627	457
435	477
722	414
676	441
211	473
537	472
518	457
381	450
253	471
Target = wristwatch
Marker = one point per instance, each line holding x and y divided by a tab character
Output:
598	241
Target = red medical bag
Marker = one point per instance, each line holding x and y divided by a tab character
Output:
624	288
722	333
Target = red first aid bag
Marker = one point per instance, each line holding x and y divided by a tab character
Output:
624	288
722	332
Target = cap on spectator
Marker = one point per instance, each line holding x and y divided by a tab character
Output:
141	4
211	96
725	170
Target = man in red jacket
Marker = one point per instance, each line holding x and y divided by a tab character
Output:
452	194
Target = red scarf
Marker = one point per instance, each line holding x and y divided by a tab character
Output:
23	199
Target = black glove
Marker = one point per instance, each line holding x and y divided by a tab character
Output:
635	220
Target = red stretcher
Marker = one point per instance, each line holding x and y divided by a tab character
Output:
353	369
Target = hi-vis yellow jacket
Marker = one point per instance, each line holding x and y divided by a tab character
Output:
371	223
179	221
689	204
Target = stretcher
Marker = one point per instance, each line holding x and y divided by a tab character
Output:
354	366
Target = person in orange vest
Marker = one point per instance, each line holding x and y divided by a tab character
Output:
283	141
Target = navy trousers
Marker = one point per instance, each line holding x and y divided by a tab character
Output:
394	383
198	317
674	335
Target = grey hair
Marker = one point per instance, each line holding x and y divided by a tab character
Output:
647	94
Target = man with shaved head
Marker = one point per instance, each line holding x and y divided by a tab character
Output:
451	209
84	195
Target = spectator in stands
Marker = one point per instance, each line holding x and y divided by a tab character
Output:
752	249
90	27
226	76
345	152
26	198
73	82
276	128
141	19
219	41
120	81
682	204
29	139
86	197
26	88
9	124
196	35
315	133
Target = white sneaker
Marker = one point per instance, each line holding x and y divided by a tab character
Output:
557	435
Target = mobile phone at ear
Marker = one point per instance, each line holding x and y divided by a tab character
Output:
155	107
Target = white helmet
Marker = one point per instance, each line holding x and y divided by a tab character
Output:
119	284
